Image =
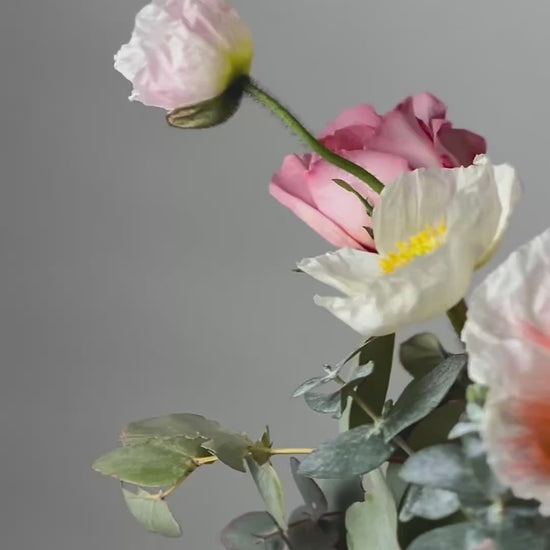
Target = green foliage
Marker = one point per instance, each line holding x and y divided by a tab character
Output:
428	503
372	524
252	531
153	513
148	465
423	395
270	489
421	353
314	498
442	467
309	527
373	391
459	536
351	453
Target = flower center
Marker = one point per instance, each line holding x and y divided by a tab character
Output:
424	242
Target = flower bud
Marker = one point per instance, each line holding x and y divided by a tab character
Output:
188	56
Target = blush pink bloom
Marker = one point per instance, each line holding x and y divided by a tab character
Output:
507	336
416	134
184	52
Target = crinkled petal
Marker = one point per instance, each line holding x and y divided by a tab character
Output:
516	293
183	52
347	270
426	287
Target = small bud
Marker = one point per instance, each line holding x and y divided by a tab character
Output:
211	112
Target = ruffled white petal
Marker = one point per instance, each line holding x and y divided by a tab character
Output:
348	270
517	292
426	287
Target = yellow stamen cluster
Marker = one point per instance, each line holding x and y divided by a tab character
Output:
424	242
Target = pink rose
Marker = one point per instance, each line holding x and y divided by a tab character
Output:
413	135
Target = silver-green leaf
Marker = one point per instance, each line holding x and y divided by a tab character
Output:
351	453
152	513
270	489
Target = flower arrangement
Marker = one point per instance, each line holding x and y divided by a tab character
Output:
461	459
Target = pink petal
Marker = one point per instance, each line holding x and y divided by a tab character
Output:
343	207
325	227
291	178
401	133
424	106
360	115
462	145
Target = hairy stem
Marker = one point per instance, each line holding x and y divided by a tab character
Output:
261	96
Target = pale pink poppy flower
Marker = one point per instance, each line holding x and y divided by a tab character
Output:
416	134
184	52
507	336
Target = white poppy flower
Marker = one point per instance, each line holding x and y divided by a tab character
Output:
184	52
507	336
432	229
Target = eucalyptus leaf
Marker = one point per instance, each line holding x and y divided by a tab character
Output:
351	453
252	531
428	503
314	498
423	395
145	465
325	403
396	485
460	536
230	448
309	385
153	514
435	428
309	535
373	390
442	467
270	489
372	524
421	353
184	433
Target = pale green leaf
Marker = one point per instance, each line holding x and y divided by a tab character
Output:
428	503
270	489
145	465
421	353
252	531
372	524
153	514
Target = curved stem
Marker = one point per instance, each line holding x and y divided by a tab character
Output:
261	96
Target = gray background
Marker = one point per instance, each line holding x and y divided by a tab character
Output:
146	270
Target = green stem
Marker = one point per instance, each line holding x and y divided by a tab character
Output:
261	96
457	315
398	440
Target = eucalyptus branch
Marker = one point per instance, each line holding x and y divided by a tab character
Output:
398	440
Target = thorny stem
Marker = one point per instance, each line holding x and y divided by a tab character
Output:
398	440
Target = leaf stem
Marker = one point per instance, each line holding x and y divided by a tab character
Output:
261	96
457	315
291	451
398	440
